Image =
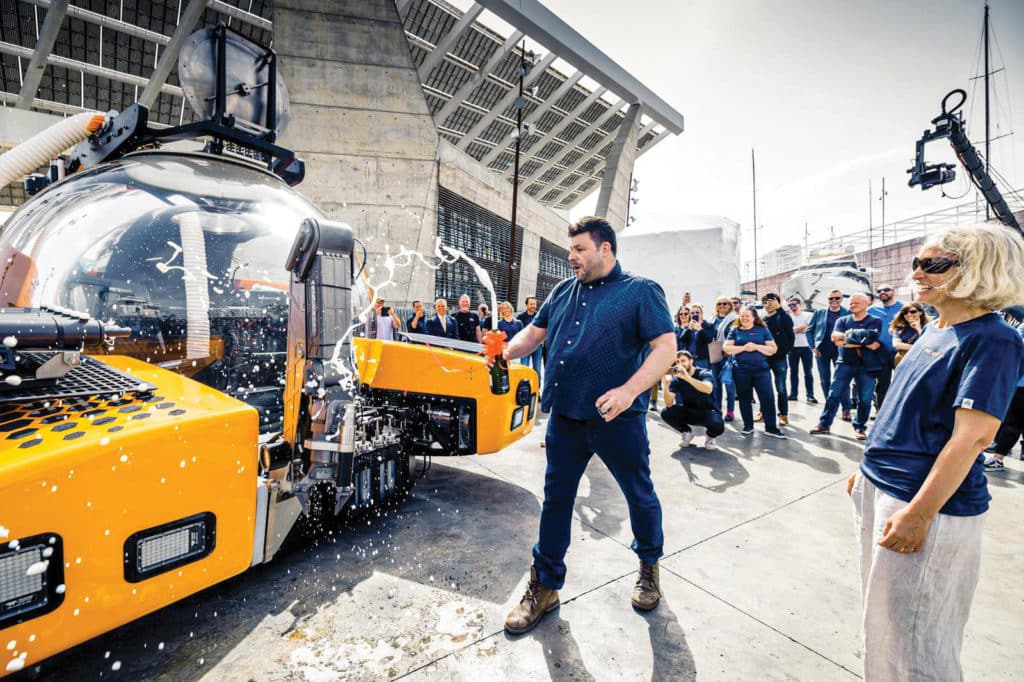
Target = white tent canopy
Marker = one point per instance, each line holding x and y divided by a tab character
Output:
695	253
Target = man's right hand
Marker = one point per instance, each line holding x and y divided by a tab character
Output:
489	361
817	353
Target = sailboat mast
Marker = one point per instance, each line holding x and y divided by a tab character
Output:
753	177
987	135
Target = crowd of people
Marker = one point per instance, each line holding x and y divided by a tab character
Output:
919	496
743	351
462	325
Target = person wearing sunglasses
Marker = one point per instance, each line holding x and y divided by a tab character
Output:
721	323
801	353
886	309
905	329
819	336
920	497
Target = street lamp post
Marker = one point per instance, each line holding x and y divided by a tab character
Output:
525	65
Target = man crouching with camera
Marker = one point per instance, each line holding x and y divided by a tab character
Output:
692	405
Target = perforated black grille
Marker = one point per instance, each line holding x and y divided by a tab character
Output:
552	268
484	237
88	379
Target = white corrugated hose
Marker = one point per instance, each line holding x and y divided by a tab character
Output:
39	149
197	292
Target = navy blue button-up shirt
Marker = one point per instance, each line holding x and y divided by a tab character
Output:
597	338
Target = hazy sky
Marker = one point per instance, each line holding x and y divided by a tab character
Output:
828	93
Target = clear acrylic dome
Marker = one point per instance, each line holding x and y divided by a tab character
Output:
187	250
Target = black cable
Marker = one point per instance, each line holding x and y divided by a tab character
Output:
363	265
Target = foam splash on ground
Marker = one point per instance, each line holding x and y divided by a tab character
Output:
420	634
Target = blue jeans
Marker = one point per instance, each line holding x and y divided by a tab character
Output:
778	365
799	356
623	447
845	375
747	382
534	360
825	363
716	394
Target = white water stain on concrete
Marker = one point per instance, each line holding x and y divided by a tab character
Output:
421	625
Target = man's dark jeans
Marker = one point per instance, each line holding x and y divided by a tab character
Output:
682	419
799	356
778	365
825	363
845	375
623	447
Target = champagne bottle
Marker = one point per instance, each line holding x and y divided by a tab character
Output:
494	344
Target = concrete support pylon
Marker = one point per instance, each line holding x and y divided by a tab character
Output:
613	199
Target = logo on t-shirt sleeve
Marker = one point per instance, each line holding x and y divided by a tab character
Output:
967	403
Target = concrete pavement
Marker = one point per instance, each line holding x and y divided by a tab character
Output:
759	577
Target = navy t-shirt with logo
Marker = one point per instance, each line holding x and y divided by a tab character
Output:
751	361
973	365
688	396
597	337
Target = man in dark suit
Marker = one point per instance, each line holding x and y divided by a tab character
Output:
819	336
441	324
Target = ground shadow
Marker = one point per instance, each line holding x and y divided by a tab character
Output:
561	651
1006	478
790	449
673	660
722	466
449	534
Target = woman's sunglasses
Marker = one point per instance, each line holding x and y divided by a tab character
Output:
912	312
934	266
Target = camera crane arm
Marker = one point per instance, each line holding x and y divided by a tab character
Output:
950	123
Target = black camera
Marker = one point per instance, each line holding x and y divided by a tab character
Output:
386	310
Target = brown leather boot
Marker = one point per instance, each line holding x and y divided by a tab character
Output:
537	601
647	591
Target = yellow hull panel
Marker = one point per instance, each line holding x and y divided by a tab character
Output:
95	478
397	366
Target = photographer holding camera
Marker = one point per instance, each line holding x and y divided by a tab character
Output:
386	321
692	387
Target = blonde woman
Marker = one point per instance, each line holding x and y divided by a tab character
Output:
920	496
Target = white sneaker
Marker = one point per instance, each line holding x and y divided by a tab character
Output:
709	443
687	439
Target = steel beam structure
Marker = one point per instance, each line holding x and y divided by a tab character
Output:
542	25
537	113
186	23
450	39
44	46
474	81
85	67
107	22
505	102
552	136
564	194
571	145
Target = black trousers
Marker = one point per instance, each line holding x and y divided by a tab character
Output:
683	418
882	385
1013	424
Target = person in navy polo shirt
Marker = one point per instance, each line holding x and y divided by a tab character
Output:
692	387
526	317
861	355
750	344
609	337
819	337
920	496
